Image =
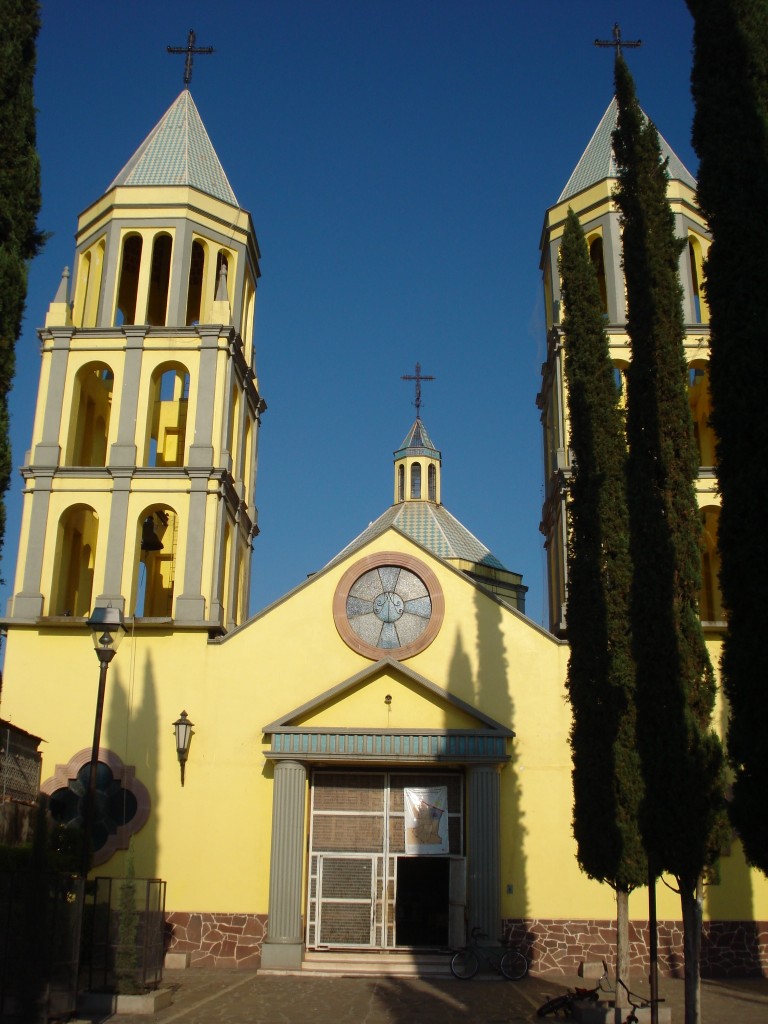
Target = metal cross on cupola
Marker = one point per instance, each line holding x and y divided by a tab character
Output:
618	42
190	50
418	377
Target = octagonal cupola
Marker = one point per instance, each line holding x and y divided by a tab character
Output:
417	467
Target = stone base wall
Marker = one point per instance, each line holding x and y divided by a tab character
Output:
217	940
728	948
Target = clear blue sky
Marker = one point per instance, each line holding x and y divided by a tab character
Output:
397	159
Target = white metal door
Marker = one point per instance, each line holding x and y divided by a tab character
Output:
346	900
357	833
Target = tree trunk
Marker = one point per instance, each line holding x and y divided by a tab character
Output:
692	921
622	945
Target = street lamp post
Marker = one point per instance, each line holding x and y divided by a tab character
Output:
107	630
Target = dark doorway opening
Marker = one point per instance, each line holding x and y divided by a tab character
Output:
421	910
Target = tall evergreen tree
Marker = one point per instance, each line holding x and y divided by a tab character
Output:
682	759
730	133
607	777
19	197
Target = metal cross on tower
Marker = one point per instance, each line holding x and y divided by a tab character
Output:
190	50
418	377
618	42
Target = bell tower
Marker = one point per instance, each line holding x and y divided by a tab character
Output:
140	480
589	192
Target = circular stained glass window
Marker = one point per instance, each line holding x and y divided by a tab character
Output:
389	607
388	604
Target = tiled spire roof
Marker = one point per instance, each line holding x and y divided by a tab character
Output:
417	437
178	152
598	162
433	527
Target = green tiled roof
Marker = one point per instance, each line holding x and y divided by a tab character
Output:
433	527
417	437
178	152
598	162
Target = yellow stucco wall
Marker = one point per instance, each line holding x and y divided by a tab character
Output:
211	839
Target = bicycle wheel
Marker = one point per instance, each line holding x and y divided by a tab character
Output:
554	1006
464	964
514	965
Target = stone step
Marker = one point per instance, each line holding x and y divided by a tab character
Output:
357	964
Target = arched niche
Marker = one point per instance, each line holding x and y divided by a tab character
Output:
91	411
700	401
155	564
710	596
416	480
128	286
88	285
597	258
197	266
699	306
159	280
76	541
620	368
167	416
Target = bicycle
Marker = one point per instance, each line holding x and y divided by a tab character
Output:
563	1004
465	962
643	1004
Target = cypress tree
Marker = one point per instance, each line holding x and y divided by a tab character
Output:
682	810
19	197
730	134
607	777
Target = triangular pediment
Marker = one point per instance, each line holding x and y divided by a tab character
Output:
388	695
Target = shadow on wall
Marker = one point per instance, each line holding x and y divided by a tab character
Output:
731	943
493	689
490	691
132	733
731	938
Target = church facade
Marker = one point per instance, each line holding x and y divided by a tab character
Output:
380	759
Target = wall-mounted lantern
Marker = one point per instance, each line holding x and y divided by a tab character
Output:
183	729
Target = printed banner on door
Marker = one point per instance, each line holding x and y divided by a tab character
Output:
426	819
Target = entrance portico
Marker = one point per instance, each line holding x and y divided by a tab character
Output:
367	886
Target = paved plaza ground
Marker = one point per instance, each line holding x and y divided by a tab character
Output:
210	996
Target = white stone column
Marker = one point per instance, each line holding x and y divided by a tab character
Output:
190	605
48	453
284	945
123	452
28	603
119	536
483	834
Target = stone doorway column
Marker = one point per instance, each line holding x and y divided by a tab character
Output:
483	828
284	945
